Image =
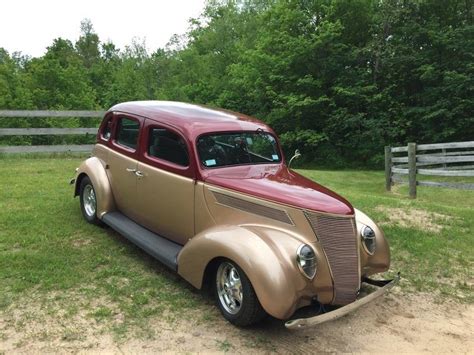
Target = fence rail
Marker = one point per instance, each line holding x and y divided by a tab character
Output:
48	131
449	160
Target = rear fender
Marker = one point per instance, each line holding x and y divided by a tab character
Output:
266	255
95	169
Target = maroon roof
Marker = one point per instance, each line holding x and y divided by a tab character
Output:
192	120
269	181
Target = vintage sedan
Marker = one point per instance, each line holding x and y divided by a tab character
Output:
208	193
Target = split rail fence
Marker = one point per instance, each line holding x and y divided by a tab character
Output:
404	164
47	131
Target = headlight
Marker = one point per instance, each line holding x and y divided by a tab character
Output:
368	239
306	260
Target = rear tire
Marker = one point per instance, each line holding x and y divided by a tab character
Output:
235	295
88	199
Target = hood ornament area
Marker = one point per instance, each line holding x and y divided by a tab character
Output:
295	156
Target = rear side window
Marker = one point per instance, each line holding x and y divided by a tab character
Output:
106	130
127	132
167	145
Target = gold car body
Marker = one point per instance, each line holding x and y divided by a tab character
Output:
260	235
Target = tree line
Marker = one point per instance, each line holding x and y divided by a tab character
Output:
338	79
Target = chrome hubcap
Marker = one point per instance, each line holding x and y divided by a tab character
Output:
89	200
229	287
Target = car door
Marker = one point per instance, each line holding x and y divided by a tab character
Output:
122	163
166	188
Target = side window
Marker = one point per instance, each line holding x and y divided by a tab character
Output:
127	132
167	145
107	130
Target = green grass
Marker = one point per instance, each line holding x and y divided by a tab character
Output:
50	259
49	255
224	345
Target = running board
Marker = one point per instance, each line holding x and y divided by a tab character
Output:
157	246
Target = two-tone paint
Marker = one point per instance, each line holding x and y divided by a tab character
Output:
254	215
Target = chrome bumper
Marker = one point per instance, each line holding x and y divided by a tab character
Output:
384	285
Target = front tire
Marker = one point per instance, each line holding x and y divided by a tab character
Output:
88	199
235	295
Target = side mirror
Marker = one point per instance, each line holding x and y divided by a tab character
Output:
295	156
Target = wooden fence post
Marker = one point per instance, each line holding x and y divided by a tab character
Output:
412	169
444	154
388	168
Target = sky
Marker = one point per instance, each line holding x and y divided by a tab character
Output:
30	26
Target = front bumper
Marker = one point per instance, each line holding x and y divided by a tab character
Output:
384	285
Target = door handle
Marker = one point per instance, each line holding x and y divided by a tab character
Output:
139	173
131	170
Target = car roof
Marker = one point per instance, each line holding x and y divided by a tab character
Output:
193	120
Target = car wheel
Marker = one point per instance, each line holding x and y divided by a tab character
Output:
235	295
88	201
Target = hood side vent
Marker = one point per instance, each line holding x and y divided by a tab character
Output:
254	208
338	238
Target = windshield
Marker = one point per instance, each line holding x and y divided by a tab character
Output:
224	149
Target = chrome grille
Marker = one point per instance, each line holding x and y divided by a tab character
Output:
251	207
338	238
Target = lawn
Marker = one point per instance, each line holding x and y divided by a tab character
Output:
50	259
50	256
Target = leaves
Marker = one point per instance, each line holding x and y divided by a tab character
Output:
346	76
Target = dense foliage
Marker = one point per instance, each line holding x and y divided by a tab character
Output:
338	79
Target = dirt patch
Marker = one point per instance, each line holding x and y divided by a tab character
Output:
413	218
80	243
395	323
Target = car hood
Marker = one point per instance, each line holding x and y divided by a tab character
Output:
279	184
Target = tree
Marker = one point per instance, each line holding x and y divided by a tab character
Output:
59	80
88	44
338	79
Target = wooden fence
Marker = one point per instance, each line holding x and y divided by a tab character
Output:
47	131
403	164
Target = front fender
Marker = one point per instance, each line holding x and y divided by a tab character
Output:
95	169
266	255
380	261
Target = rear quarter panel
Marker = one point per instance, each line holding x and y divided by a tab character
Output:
95	169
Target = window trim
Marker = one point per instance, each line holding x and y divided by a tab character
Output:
108	121
163	164
109	117
205	168
133	153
